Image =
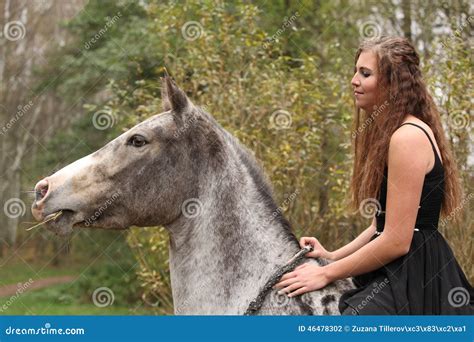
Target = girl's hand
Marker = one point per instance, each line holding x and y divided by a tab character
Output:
318	250
304	278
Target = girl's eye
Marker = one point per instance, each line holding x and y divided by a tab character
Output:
137	141
365	73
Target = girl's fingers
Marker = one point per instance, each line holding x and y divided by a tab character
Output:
284	281
310	241
288	276
305	240
301	290
291	288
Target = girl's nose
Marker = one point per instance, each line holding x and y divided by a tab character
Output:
355	81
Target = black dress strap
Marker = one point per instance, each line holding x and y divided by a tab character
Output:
429	138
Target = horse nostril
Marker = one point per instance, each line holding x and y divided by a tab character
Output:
41	189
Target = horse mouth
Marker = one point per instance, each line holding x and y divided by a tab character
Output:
62	222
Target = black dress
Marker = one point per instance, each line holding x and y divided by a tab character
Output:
427	280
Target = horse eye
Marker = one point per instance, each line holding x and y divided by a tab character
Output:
136	141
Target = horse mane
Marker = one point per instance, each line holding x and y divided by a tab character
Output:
256	172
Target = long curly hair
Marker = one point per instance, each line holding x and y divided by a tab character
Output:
400	91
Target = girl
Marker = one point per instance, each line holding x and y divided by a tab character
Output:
401	264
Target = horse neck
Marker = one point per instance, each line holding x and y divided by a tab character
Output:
220	259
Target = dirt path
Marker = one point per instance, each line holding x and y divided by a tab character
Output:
9	290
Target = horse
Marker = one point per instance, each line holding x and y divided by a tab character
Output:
182	170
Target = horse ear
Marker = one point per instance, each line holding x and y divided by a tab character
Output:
172	97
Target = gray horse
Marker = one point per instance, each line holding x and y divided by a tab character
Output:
182	170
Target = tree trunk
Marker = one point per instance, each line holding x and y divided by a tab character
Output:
406	8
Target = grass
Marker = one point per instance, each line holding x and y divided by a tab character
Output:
14	271
61	299
55	300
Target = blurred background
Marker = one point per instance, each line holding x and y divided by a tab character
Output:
75	74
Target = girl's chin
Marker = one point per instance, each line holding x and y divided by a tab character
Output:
360	105
363	106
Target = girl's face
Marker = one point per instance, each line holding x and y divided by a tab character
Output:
364	82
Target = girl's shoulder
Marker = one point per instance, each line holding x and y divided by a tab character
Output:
411	142
409	133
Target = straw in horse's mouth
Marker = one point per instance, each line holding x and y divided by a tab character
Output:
50	217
